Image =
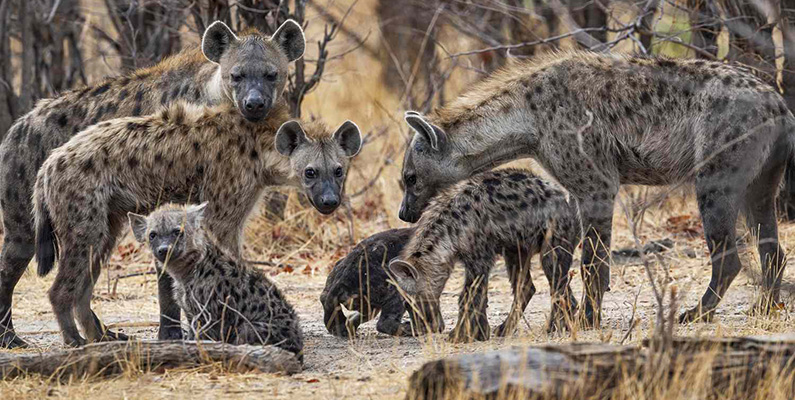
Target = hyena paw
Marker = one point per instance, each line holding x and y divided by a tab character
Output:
696	314
10	340
170	333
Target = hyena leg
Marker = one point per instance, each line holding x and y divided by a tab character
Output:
556	259
473	322
97	247
18	240
170	314
518	267
596	212
63	294
761	220
718	207
391	320
18	248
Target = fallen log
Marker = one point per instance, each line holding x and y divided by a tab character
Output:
595	370
113	358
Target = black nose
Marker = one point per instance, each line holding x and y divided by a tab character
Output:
254	103
330	201
162	252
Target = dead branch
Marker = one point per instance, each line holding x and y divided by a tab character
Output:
113	358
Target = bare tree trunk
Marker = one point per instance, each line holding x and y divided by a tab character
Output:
27	89
7	97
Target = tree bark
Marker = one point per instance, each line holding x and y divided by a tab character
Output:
113	358
581	370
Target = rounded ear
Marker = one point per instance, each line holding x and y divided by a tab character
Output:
434	135
216	41
349	138
196	213
405	275
412	112
290	38
138	226
289	136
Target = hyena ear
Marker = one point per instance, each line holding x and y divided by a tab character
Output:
289	136
349	138
196	213
290	38
216	41
138	226
434	135
405	275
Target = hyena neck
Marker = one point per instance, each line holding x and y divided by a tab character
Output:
486	142
184	268
214	89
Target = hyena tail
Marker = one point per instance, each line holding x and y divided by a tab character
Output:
46	244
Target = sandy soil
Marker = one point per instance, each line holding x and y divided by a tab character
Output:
375	365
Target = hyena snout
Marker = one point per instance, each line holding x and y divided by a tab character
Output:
326	197
161	252
407	212
255	104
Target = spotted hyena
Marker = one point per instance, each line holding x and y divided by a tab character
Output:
222	298
471	222
183	154
596	121
248	71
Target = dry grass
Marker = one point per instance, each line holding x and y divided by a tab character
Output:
375	366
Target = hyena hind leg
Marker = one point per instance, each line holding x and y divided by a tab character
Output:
473	321
518	268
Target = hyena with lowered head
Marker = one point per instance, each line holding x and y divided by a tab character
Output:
183	154
248	71
222	298
471	222
596	121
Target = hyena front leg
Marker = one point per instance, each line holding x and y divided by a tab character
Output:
473	321
556	259
518	266
170	314
391	320
596	212
718	205
761	220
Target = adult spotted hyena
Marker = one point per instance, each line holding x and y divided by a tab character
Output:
249	71
222	298
595	121
509	210
183	154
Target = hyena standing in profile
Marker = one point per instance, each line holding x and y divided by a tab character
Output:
248	71
596	121
183	154
510	211
222	298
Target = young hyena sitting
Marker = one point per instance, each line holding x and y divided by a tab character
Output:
183	154
222	299
595	121
470	222
248	72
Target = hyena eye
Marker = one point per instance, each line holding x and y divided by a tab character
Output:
176	232
411	180
236	77
338	172
271	76
310	173
152	235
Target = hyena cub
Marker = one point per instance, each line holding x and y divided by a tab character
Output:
471	222
183	154
222	299
360	281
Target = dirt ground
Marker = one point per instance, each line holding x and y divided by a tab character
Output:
377	366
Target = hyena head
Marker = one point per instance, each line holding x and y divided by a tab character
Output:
171	232
422	292
252	69
428	167
319	159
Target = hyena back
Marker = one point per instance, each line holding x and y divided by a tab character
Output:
472	222
223	299
595	121
202	76
183	154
